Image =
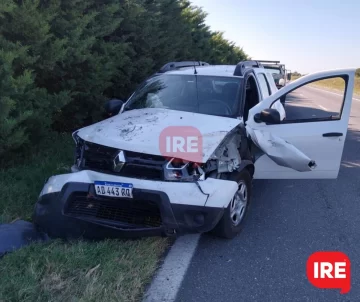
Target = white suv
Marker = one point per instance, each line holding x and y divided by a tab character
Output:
122	184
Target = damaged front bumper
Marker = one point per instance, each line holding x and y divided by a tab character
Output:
68	207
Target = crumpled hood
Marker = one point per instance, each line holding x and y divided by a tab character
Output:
139	130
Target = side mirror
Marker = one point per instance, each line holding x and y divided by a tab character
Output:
112	107
268	116
289	76
282	82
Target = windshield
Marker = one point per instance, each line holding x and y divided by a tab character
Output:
193	93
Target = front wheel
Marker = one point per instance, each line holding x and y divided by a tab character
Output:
232	222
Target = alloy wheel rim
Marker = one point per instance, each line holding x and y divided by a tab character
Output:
238	204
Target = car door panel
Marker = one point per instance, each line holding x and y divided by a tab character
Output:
280	151
309	144
289	148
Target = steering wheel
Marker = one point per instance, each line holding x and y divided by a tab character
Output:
228	109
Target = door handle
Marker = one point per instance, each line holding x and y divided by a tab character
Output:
332	134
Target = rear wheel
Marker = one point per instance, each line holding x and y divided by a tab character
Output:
235	214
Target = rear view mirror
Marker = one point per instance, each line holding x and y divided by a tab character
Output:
289	76
268	116
112	107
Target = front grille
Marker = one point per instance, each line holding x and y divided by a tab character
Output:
98	157
141	171
127	213
101	158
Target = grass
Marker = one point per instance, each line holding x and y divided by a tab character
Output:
109	270
22	180
335	84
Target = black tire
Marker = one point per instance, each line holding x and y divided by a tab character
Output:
227	228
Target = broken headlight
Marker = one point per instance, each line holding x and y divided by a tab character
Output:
180	170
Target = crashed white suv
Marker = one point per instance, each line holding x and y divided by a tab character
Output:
122	184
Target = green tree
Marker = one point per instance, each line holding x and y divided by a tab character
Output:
24	104
61	59
223	51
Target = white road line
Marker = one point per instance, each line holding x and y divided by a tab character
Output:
322	107
167	281
331	92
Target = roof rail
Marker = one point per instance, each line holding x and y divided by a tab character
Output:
176	65
265	61
242	65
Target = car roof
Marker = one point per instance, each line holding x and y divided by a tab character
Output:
273	66
211	70
215	70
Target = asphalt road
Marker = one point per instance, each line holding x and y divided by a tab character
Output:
289	220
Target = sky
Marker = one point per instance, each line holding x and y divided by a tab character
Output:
306	35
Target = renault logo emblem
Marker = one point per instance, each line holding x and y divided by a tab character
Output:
119	161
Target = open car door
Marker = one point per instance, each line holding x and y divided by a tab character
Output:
308	143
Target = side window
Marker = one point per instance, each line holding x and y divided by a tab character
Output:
321	100
264	85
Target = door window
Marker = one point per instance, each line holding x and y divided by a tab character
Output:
321	100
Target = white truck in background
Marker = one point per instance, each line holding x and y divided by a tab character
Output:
280	74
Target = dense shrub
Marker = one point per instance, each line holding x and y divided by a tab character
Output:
61	59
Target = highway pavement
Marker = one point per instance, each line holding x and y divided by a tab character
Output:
288	221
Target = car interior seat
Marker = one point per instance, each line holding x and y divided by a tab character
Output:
251	97
205	90
229	93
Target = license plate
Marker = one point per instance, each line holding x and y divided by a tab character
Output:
114	189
